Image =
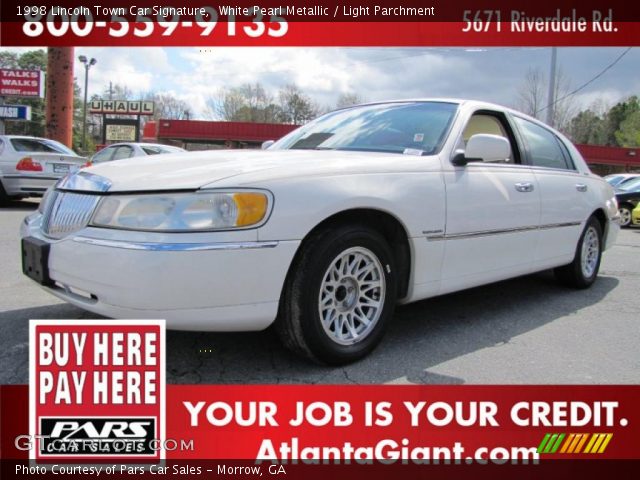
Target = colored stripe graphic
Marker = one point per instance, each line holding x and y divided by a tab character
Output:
573	443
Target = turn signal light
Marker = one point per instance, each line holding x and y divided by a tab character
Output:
28	165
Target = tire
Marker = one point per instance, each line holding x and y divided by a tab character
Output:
339	295
625	215
583	270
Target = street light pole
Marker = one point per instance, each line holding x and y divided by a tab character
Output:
87	64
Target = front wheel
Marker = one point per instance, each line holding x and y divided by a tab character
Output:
339	296
583	270
625	215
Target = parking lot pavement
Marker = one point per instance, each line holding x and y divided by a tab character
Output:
527	330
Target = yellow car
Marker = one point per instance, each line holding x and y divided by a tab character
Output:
635	215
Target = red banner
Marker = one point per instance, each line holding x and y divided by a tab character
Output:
387	425
326	23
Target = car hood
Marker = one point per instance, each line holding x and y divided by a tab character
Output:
200	169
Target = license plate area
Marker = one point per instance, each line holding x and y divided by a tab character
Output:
35	260
60	168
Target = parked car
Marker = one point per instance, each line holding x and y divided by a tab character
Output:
635	215
628	198
616	180
329	228
30	165
119	151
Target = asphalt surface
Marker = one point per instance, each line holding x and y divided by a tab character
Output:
526	330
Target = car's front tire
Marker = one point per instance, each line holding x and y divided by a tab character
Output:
583	270
339	296
625	215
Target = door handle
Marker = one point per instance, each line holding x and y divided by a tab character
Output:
524	187
581	187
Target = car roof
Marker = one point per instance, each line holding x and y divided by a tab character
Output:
28	137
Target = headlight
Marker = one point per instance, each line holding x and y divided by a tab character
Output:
175	212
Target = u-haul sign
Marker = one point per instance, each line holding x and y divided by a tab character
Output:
97	389
122	107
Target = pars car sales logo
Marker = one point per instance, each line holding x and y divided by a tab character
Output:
97	389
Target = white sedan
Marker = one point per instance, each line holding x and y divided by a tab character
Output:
328	229
30	165
120	151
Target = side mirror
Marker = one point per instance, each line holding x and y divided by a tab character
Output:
483	147
267	144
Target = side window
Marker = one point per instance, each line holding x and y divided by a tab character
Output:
123	151
544	146
103	155
488	123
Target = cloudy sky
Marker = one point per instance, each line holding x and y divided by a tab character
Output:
493	74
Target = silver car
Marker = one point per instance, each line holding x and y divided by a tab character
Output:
30	165
120	151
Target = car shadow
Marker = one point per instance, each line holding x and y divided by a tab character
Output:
20	205
422	335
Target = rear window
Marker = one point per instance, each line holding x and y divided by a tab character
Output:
35	145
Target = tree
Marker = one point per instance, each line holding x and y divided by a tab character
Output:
117	92
531	94
30	60
629	133
167	105
348	99
616	116
296	108
247	103
587	127
532	97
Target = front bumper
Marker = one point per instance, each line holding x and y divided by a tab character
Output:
206	286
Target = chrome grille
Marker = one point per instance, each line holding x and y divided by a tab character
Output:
66	213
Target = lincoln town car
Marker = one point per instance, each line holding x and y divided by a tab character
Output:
322	233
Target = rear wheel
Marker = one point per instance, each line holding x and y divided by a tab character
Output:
583	270
339	296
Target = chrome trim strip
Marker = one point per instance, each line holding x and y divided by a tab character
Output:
174	247
486	233
25	176
560	225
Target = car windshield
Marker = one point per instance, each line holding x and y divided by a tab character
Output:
403	127
630	186
35	145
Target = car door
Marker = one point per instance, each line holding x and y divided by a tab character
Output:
564	193
493	211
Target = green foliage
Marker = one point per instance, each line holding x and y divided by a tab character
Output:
587	127
37	60
629	133
252	103
31	60
619	126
